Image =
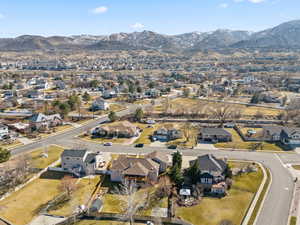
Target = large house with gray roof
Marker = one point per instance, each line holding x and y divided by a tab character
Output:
214	135
40	121
212	170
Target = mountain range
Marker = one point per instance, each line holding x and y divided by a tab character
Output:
286	36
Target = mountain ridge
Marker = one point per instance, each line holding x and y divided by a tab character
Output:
285	35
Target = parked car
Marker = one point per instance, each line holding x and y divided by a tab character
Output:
140	145
108	144
172	146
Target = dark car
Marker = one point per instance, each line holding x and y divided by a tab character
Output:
172	146
139	145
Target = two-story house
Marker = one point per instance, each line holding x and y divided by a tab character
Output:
80	162
211	170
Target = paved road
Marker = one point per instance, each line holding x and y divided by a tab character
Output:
276	209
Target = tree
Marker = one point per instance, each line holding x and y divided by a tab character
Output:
222	113
131	88
177	159
255	98
4	155
68	184
186	92
86	97
64	109
46	107
94	83
112	116
73	101
139	89
133	200
139	114
151	85
176	175
187	131
193	173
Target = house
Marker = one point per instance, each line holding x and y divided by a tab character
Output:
152	93
122	129
132	168
40	121
99	104
3	131
42	84
164	160
80	162
272	133
290	136
214	135
109	94
164	134
34	94
211	170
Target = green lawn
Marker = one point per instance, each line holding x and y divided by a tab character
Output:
211	211
238	143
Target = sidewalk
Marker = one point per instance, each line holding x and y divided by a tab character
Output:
46	220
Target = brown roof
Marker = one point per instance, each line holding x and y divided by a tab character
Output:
158	155
134	166
123	126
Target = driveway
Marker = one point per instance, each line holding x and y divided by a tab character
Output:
158	144
205	145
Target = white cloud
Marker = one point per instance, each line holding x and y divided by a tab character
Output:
100	10
252	1
223	5
137	26
256	1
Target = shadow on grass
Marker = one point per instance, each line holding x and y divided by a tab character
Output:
112	186
54	175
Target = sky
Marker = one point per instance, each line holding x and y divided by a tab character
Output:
102	17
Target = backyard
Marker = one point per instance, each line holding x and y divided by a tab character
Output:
82	194
211	211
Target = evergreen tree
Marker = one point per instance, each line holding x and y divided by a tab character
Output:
139	114
4	155
177	159
112	116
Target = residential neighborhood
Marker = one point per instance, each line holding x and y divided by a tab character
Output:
155	113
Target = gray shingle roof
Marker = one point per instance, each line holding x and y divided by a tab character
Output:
214	131
209	162
74	153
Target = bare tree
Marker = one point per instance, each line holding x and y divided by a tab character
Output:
68	184
222	113
187	131
134	200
